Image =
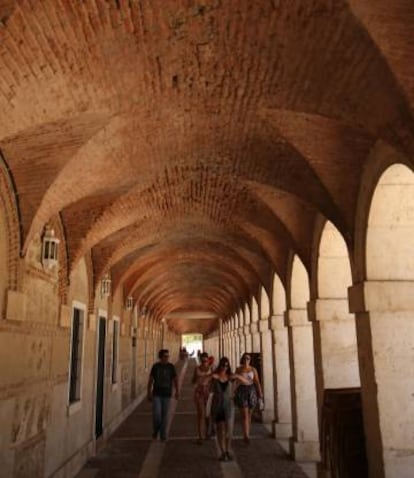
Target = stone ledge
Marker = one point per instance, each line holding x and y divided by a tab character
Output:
264	325
297	318
277	322
329	309
381	296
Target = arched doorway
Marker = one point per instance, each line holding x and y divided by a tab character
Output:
305	440
334	327
384	304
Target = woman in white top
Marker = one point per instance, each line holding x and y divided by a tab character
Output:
246	396
201	379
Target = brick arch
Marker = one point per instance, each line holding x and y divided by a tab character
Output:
91	283
221	255
11	208
146	288
63	274
299	291
322	229
278	296
380	159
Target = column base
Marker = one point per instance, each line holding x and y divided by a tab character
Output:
305	451
306	454
399	463
282	432
310	469
268	416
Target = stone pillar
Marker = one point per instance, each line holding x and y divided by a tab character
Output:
227	349
254	330
305	439
220	338
228	341
268	413
225	340
242	342
163	333
336	354
283	406
236	350
232	351
385	331
248	338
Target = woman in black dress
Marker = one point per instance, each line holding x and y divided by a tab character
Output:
222	410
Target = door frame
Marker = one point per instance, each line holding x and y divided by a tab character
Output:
100	314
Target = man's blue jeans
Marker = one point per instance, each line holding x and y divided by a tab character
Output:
160	406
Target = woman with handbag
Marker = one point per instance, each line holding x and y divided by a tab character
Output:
222	410
247	394
202	374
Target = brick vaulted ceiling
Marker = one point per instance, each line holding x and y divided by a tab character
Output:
190	145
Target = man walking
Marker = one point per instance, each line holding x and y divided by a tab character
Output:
161	380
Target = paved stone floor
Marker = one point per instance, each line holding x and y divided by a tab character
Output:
130	452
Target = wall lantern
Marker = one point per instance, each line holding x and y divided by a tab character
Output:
129	303
50	248
106	286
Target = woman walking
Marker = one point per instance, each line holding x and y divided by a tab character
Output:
222	407
247	394
202	374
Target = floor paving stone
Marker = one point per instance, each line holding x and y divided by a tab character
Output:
181	457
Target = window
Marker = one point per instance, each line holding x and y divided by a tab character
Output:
115	348
76	356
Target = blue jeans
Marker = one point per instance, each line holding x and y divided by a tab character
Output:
160	406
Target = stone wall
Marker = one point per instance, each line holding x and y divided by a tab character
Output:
42	434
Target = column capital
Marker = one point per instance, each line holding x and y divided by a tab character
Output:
381	296
254	327
246	329
297	318
264	325
328	309
277	322
240	331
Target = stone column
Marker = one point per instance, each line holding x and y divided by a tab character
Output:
242	342
336	355
235	338
227	350
231	344
254	330
283	406
385	331
268	413
305	439
248	338
234	342
163	333
225	342
220	338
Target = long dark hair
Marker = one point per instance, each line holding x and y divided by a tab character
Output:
221	365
